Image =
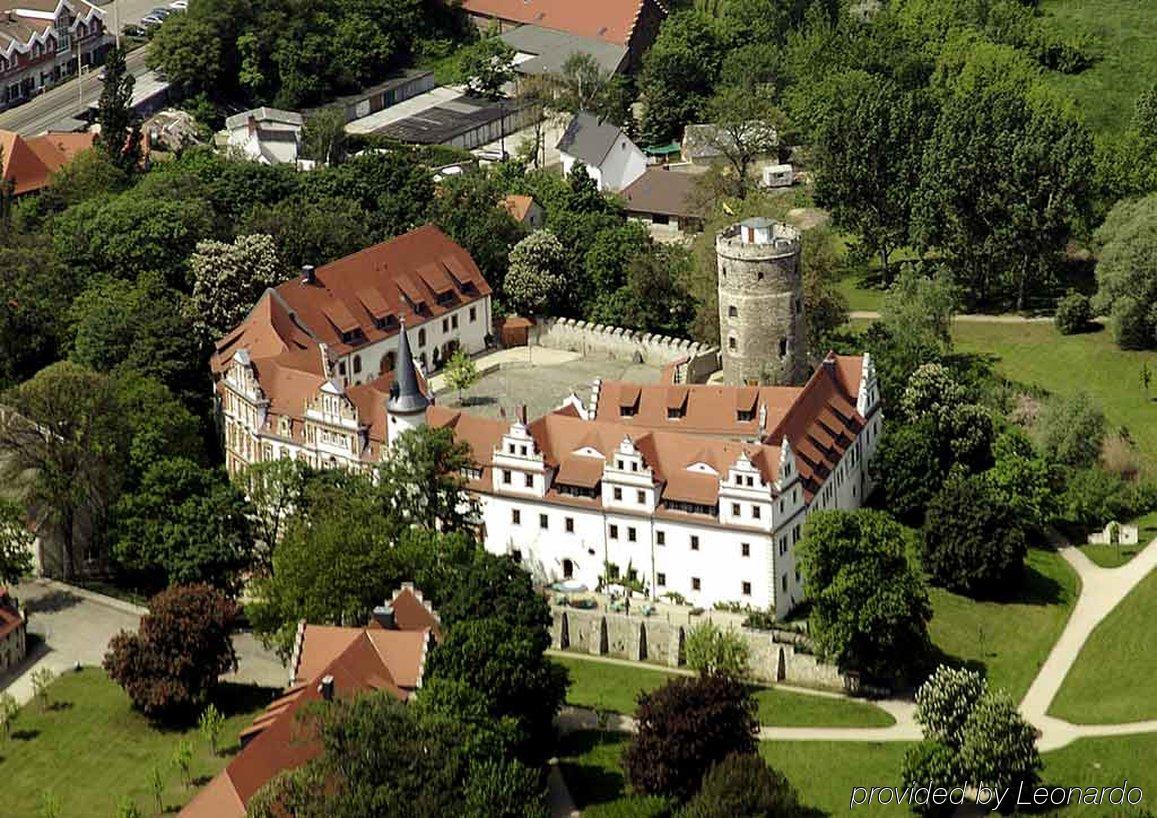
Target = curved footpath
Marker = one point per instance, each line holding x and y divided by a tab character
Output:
1102	589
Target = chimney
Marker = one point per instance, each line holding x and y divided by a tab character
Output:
326	688
384	617
308	275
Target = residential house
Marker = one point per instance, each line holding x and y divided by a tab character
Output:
310	372
386	656
13	632
266	135
630	24
665	199
611	158
28	163
45	41
524	210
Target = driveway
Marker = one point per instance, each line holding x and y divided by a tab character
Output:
67	626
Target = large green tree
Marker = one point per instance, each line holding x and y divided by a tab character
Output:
310	231
870	607
678	73
120	125
422	482
1127	272
228	278
15	542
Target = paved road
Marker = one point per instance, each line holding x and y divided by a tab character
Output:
72	626
37	115
975	318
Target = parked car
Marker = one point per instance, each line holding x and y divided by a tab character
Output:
151	20
162	12
179	5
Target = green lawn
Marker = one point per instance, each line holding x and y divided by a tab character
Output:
1112	680
1037	354
590	765
1105	762
606	686
824	772
1127	36
90	748
1010	639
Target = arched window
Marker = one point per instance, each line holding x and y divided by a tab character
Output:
387	363
357	364
422	337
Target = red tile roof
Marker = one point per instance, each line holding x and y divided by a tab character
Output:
10	617
30	161
360	660
611	21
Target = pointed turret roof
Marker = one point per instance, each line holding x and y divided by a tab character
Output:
406	397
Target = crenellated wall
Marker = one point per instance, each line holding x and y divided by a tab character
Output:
692	360
774	656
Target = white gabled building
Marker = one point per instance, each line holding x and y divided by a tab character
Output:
697	490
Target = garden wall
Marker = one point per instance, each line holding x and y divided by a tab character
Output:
656	641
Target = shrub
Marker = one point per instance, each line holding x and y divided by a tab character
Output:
1132	323
685	727
931	764
944	701
743	785
997	745
1074	312
711	649
169	665
1070	429
973	541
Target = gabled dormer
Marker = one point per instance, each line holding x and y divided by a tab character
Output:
868	395
628	481
744	496
519	467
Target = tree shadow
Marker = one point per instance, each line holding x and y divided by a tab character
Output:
234	698
24	735
202	780
52	602
58	706
1038	589
478	400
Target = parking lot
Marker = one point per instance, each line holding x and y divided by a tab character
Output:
129	12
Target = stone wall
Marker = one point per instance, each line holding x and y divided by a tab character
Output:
693	361
775	656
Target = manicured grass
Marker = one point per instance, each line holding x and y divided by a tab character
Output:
605	686
862	291
1127	37
90	748
1010	640
1104	762
1112	680
1037	354
824	772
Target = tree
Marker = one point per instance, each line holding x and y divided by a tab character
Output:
184	524
16	543
182	760
584	85
827	306
65	439
211	723
470	210
310	231
908	468
746	127
273	489
1074	312
1003	225
323	138
157	786
922	305
870	607
944	702
997	745
931	764
42	679
1070	428
743	785
678	73
189	50
127	808
229	278
37	291
868	157
460	373
120	126
932	392
169	666
684	728
536	279
1127	272
9	710
487	65
421	480
711	649
1023	480
654	297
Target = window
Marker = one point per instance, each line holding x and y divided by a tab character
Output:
661	537
618	493
631	534
522	450
506	476
543	522
745	549
731	342
453	322
619	464
516	516
357	364
782	347
569	525
341	367
783	582
614	532
530	481
445	325
732	311
473	314
694	542
612	571
661	579
422	337
747	589
516	555
756	512
735	509
695	584
641	496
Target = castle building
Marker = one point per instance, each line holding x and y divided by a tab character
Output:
308	374
695	491
762	329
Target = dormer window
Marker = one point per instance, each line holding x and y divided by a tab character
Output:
676	412
745	415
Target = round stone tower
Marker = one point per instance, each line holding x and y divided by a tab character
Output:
761	313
